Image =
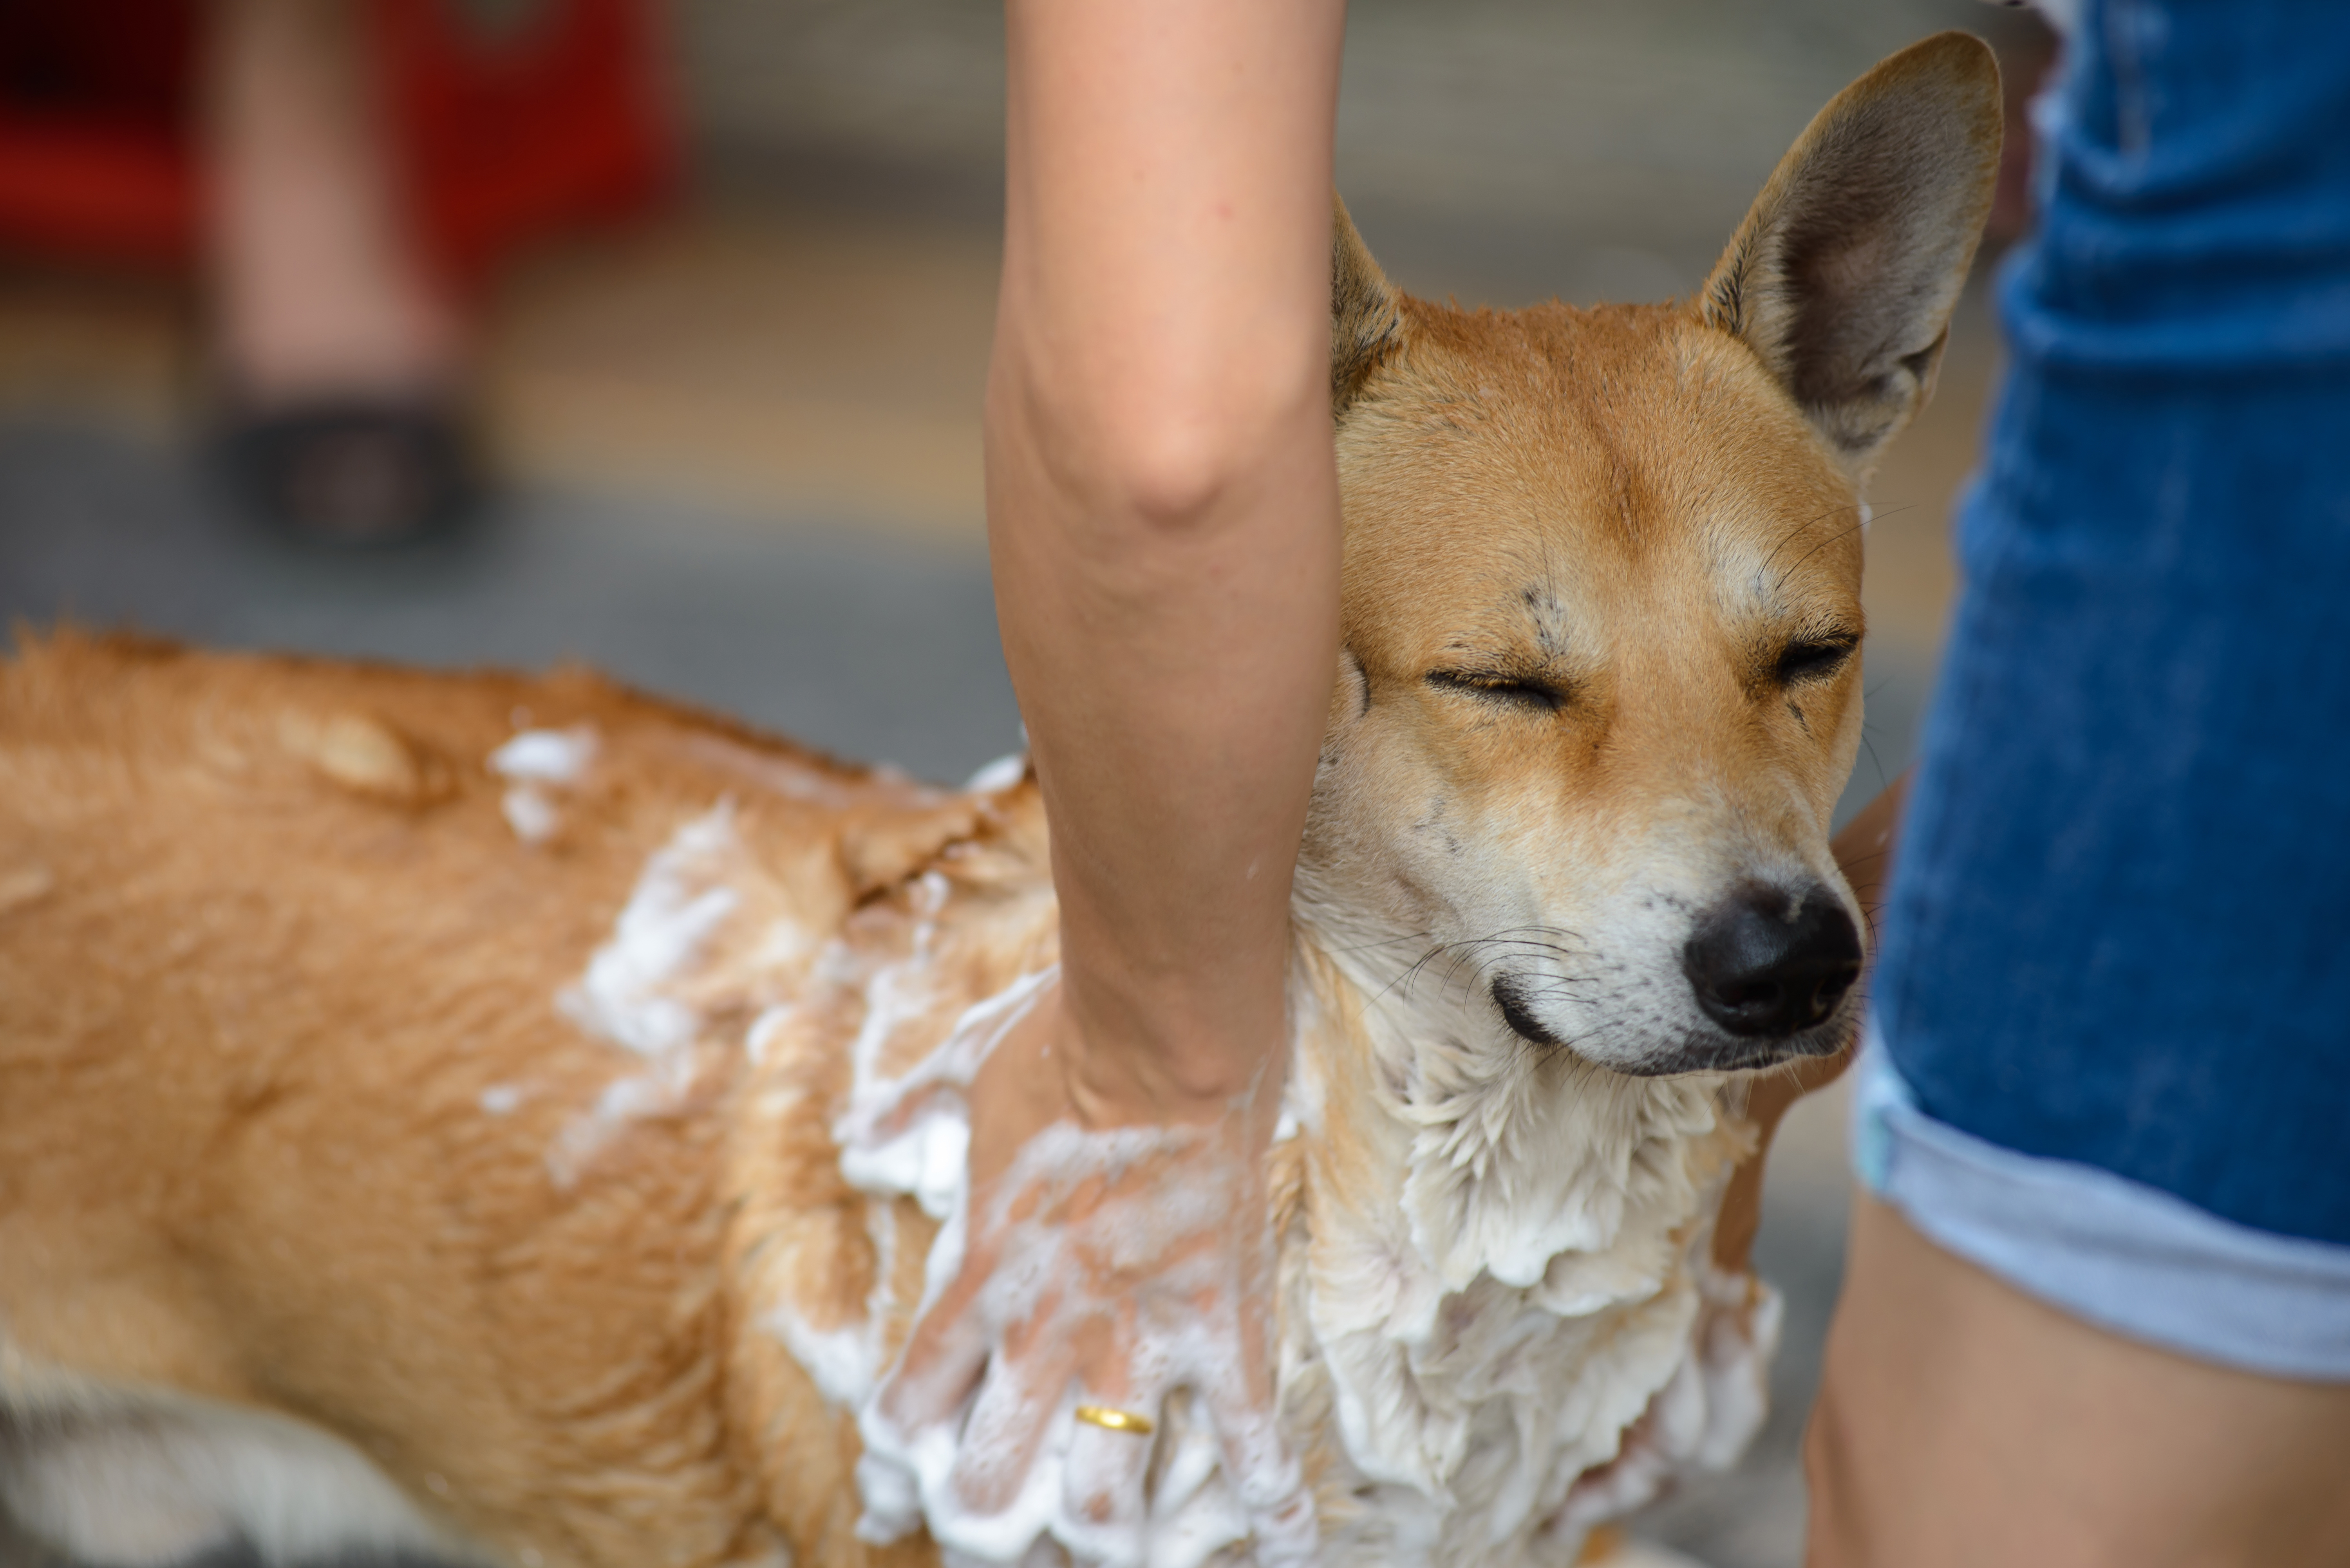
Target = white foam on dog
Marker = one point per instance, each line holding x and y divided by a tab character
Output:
535	764
1525	1339
681	899
628	995
547	756
1000	774
1221	1488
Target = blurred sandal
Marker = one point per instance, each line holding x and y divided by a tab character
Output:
353	471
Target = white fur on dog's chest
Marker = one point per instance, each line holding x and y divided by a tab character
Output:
1532	1283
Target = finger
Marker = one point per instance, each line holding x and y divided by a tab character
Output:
1104	1479
1264	1475
945	1354
1014	1422
897	1110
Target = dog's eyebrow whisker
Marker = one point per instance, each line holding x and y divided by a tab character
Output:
1790	535
1538	939
1540	948
1781	580
1400	980
1403	982
1564	985
1868	518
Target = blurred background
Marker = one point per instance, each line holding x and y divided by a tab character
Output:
679	317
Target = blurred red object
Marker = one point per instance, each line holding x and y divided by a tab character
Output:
94	102
511	121
513	130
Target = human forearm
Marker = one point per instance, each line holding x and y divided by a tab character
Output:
1163	509
1164	526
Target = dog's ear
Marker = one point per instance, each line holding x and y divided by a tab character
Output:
1843	276
1365	325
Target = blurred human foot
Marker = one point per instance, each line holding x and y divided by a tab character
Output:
338	356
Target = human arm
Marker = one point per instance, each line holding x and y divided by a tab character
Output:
1163	514
1163	525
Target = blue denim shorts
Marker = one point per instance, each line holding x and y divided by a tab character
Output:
2116	951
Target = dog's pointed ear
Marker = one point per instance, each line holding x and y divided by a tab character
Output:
1843	276
1365	325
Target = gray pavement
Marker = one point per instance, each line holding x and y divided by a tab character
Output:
862	643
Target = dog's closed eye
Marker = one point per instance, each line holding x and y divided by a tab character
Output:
1493	686
1813	659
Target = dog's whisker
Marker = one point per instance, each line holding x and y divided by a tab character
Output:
1790	536
1842	534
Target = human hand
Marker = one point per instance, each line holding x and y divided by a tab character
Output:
1105	1261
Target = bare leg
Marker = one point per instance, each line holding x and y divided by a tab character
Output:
336	349
319	283
1961	1423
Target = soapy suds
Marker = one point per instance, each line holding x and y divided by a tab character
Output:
547	756
537	764
1415	1373
912	1135
764	1028
1531	1341
531	814
679	901
1490	1423
899	1136
628	997
1000	774
1159	1259
845	1361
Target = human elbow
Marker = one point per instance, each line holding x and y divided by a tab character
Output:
1171	455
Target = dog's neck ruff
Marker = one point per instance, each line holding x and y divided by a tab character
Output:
1502	1290
1499	1322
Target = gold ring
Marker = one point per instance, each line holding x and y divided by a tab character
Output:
1116	1420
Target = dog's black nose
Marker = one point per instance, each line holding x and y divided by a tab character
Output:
1773	960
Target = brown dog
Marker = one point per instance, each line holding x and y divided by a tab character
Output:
465	1114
